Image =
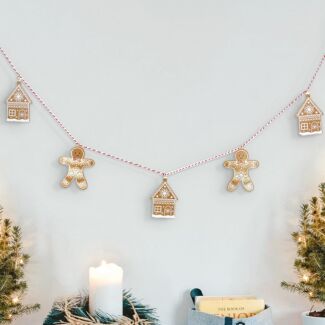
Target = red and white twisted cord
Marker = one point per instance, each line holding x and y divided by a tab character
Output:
144	167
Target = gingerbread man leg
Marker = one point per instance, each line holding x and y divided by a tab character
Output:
247	184
81	181
66	181
233	184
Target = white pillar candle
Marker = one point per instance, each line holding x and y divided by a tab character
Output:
105	289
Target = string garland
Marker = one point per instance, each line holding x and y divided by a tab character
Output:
164	198
126	161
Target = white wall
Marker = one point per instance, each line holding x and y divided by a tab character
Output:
164	83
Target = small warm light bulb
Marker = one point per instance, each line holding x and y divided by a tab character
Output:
21	261
10	316
300	239
15	300
305	278
311	294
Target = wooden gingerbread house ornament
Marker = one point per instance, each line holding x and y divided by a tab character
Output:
18	105
309	117
164	201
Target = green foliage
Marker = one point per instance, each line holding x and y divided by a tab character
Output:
12	262
78	307
310	240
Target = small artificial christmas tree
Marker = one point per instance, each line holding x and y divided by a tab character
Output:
12	262
310	262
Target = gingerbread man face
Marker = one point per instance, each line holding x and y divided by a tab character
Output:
76	164
241	155
77	153
241	166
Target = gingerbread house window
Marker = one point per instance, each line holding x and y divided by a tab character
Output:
304	126
158	209
12	113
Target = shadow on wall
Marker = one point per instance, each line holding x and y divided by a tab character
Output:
294	319
182	309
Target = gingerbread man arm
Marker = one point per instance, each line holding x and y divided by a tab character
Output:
253	164
88	162
64	160
229	163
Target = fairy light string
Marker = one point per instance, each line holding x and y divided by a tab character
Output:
163	173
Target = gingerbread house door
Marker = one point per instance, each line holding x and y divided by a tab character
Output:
169	210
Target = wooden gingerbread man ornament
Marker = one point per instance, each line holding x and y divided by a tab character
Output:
241	167
76	164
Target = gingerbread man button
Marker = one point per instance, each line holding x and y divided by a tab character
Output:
76	164
241	167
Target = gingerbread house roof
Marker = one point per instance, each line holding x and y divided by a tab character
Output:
309	108
19	95
165	192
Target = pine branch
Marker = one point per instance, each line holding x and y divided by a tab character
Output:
75	310
310	260
12	284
